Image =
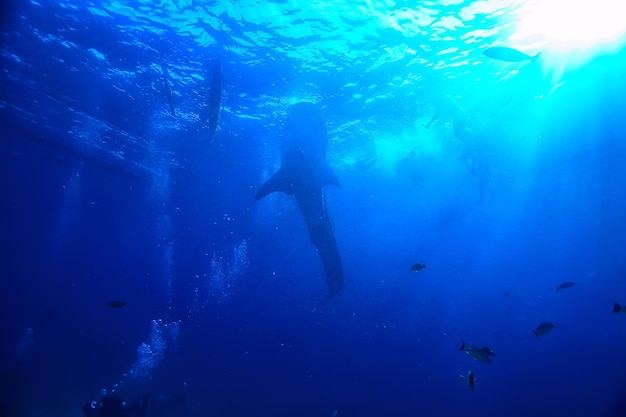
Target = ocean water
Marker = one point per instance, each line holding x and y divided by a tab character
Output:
506	179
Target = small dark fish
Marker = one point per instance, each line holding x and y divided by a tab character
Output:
617	308
215	98
117	304
418	267
480	354
503	53
470	379
488	351
506	294
543	329
565	285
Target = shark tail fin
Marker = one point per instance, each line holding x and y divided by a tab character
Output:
534	57
277	182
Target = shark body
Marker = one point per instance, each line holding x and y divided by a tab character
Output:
303	173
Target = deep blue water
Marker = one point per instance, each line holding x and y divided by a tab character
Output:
108	196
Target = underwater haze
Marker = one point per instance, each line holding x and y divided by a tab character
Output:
313	208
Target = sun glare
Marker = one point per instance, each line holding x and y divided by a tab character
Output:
575	26
569	33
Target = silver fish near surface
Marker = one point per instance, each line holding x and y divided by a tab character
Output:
506	54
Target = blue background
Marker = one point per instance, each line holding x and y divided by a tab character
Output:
108	196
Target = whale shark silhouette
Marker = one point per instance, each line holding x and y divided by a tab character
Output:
303	173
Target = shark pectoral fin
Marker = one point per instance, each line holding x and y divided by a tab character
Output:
277	182
328	177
